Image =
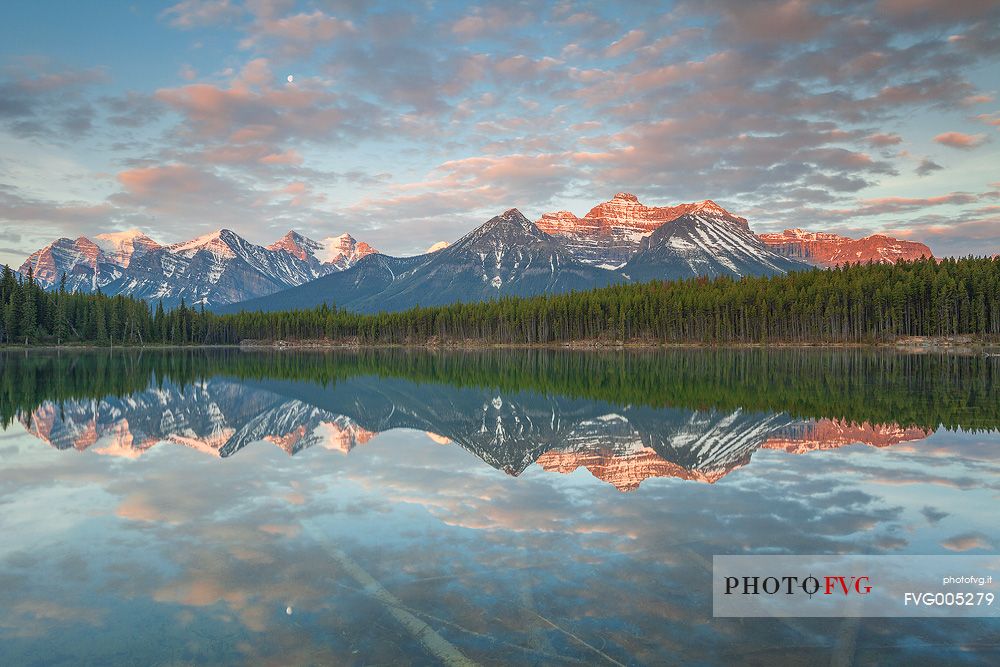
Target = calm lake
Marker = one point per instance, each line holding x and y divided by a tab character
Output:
497	507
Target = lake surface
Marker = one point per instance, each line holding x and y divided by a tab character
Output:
540	507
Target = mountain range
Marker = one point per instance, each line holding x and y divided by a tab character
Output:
506	256
618	241
214	269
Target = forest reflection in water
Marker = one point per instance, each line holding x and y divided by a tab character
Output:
184	532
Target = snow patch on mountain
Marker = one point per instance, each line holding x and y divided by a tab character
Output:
705	243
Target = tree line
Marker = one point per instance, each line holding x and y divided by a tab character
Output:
857	303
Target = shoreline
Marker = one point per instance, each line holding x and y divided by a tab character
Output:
908	344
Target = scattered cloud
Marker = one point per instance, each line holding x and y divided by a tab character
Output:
190	14
967	542
881	205
990	119
40	99
927	166
628	43
961	140
932	514
296	35
883	140
252	108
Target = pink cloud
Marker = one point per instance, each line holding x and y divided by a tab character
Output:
175	178
244	154
245	113
234	155
523	67
884	140
953	198
977	99
299	34
250	133
967	542
289	157
960	140
301	195
629	42
256	73
776	21
990	119
199	13
925	13
183	193
926	91
469	27
882	205
515	172
486	19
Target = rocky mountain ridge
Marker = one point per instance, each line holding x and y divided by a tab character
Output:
613	231
829	250
506	256
214	269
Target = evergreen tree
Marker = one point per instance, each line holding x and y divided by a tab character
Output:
29	310
60	325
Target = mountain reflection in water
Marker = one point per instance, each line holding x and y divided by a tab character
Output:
218	529
704	415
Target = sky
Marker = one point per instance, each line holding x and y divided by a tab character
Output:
408	123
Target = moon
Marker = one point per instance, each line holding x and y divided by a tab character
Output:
291	78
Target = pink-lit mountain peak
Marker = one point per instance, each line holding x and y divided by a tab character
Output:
342	251
625	211
121	246
611	232
296	245
826	249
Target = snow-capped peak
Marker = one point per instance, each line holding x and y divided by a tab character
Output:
121	236
508	229
218	242
296	245
119	247
343	250
337	251
440	245
198	241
